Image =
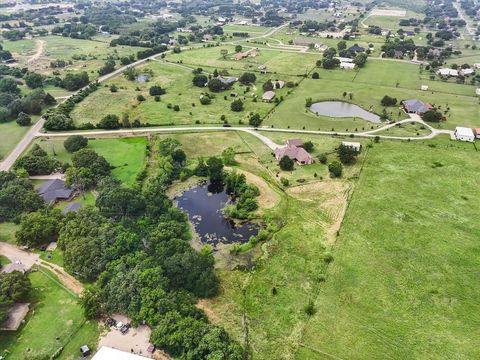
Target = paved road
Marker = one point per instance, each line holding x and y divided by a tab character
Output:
258	132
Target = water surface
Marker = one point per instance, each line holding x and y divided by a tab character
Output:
203	205
343	109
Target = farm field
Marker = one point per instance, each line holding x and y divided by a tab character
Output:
57	315
93	53
179	91
127	158
402	286
406	262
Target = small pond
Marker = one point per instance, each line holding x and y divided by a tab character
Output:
142	78
203	205
343	109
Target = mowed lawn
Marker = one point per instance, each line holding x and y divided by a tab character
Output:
56	320
404	281
126	155
10	134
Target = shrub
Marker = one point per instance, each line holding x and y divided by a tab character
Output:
322	158
284	182
74	143
388	101
335	168
236	105
315	75
176	108
59	122
23	119
156	90
141	98
113	88
347	154
286	163
109	122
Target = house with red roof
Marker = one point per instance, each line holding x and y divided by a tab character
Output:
294	150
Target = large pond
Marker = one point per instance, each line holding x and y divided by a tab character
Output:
343	109
203	205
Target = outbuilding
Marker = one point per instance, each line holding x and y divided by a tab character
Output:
464	134
477	133
108	353
352	145
268	96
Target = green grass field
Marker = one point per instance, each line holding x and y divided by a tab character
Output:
7	232
404	280
127	155
10	135
180	91
56	320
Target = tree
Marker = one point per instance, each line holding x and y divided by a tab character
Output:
432	116
14	287
39	228
247	78
156	90
58	122
238	48
315	75
388	101
9	85
286	164
228	156
23	119
335	168
109	122
91	302
167	146
80	178
201	169
268	85
215	85
215	169
33	80
200	80
75	142
342	45
308	146
236	105
107	68
347	154
360	59
87	158
255	120
120	203
224	53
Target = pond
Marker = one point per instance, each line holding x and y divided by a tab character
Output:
343	109
203	205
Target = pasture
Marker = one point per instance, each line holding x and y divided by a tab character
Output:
56	321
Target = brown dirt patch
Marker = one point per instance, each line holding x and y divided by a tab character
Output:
205	306
268	197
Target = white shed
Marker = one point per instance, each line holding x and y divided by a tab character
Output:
424	87
464	134
353	145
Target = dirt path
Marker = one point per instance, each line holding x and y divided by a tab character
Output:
28	259
38	53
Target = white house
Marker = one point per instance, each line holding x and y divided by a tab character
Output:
464	134
108	353
424	87
466	72
353	145
447	72
347	65
477	91
343	59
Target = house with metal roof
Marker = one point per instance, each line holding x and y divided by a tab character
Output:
415	106
54	190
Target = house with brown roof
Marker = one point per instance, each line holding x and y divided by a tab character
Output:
268	96
294	150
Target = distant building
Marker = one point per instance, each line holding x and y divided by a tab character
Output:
71	207
477	133
278	84
343	59
108	353
415	106
15	315
54	190
317	45
447	72
464	134
207	37
352	145
347	65
466	72
424	87
227	80
477	91
268	96
356	49
263	69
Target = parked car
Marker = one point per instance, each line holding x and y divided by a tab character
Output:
119	325
111	322
125	328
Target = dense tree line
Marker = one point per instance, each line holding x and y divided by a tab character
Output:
14	287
